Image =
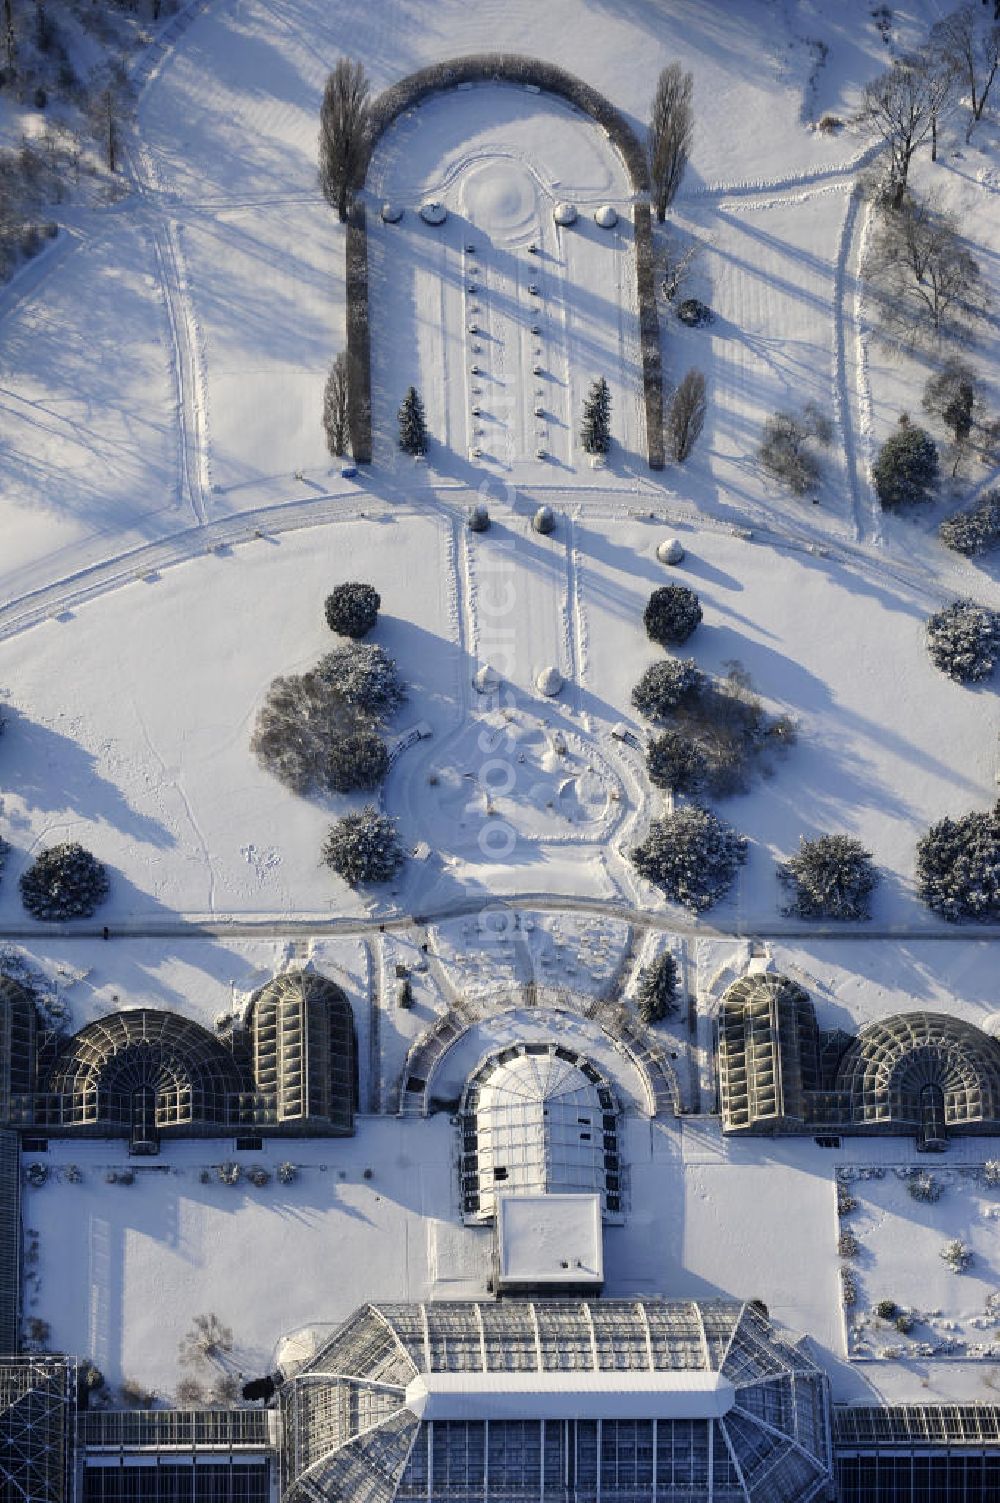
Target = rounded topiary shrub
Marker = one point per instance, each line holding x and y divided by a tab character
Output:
831	877
671	614
958	867
666	685
363	847
64	882
676	763
906	470
656	992
692	855
365	676
963	640
352	609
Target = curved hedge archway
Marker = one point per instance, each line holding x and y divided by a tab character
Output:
500	67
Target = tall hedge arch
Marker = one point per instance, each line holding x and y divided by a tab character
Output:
500	67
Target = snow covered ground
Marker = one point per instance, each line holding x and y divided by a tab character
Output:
172	523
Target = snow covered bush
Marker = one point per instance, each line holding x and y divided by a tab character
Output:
207	1340
478	519
230	1173
694	313
963	640
671	615
36	1175
846	1202
847	1244
832	877
974	531
259	1176
355	761
924	1186
958	867
904	1323
848	1287
363	847
675	763
286	1172
656	992
906	470
412	424
886	1309
352	609
991	1172
666	685
189	1393
692	855
957	1254
136	1395
64	882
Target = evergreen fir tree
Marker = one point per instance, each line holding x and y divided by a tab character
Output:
412	426
596	430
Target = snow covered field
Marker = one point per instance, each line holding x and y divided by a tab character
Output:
172	523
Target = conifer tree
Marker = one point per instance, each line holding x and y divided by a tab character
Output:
412	426
596	430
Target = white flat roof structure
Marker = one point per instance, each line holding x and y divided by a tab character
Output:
570	1396
550	1239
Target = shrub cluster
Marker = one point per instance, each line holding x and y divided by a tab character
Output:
309	737
831	877
363	847
963	640
924	1187
656	992
786	451
976	530
692	855
958	867
676	763
64	882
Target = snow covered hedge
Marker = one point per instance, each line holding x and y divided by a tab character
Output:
363	847
832	876
958	867
976	530
359	360
963	640
692	855
64	882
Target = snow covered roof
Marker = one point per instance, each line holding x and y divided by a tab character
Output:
570	1396
448	1400
549	1239
538	1119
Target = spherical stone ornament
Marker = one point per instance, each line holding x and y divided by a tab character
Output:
391	213
606	217
433	212
549	682
487	679
670	551
564	213
543	521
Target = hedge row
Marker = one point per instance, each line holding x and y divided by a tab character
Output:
507	67
359	360
510	67
649	334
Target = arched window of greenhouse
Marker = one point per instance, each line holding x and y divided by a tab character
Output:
536	1119
301	1029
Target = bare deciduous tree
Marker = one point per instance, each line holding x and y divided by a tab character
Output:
675	266
903	106
670	128
335	406
930	283
972	52
343	127
686	416
112	99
